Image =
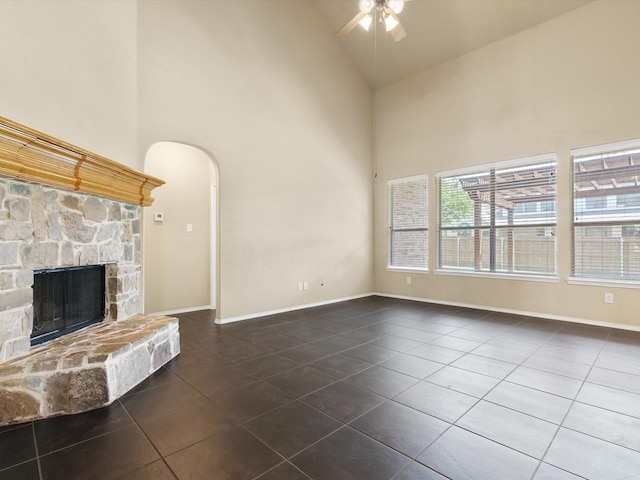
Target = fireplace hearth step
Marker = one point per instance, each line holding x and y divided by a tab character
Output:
87	369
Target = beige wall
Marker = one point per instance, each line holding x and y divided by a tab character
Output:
277	102
69	69
259	85
265	90
176	266
569	83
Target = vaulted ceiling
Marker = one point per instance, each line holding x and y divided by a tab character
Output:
437	31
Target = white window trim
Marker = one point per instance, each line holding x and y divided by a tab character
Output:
396	181
412	178
597	152
520	162
603	282
407	269
606	150
501	276
526	162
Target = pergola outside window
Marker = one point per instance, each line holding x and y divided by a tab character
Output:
499	218
606	212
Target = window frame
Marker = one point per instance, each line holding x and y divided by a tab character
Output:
390	228
601	152
549	161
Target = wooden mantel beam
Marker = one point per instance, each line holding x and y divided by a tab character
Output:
32	156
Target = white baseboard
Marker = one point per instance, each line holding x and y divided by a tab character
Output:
584	321
239	318
182	310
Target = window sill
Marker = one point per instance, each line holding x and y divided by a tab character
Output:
407	269
500	276
602	282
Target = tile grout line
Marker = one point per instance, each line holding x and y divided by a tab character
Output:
37	452
140	429
573	401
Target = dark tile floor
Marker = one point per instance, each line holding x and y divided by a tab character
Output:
373	388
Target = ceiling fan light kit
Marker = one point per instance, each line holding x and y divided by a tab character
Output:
366	22
383	10
366	5
396	5
389	21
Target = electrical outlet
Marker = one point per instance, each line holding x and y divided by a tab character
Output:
409	280
608	298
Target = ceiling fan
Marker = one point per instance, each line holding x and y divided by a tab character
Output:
381	10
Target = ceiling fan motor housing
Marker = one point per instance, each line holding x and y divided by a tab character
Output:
384	10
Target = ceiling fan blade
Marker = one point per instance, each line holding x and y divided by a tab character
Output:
398	32
351	24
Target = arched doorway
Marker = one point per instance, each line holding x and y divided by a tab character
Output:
180	231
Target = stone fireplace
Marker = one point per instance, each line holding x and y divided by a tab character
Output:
61	206
44	228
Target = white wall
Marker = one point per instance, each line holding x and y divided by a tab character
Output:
571	82
262	87
69	69
176	264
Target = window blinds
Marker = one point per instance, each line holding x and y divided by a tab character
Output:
606	212
499	217
408	222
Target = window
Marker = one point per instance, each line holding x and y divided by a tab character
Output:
499	218
408	222
606	212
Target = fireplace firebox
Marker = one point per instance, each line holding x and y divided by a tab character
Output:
66	300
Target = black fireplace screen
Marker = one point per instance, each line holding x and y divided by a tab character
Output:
66	299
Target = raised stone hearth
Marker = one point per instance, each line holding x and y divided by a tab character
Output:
62	206
87	369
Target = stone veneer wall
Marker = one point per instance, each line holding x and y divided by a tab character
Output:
43	227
